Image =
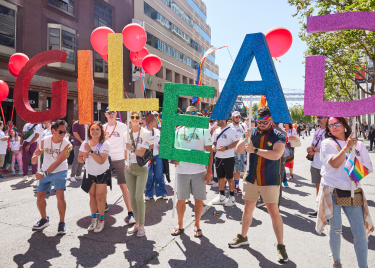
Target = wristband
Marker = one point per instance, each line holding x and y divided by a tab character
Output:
209	171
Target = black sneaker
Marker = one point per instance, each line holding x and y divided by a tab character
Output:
61	229
43	223
313	214
282	256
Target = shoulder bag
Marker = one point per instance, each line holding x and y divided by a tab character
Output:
295	143
143	160
28	133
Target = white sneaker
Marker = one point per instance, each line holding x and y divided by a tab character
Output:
220	200
72	179
133	230
99	227
26	178
147	198
131	219
165	197
79	178
94	222
34	177
215	185
231	201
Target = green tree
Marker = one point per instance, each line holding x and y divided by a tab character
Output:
296	112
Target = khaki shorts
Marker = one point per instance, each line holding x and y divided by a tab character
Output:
270	193
2	158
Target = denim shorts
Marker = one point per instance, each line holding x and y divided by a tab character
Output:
239	165
57	179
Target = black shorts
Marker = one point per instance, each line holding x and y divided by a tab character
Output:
225	167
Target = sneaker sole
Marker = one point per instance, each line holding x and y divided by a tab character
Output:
281	260
42	227
98	231
259	206
239	244
61	233
132	222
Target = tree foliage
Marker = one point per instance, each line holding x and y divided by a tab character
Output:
296	112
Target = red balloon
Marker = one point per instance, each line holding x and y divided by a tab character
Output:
104	57
16	63
151	64
92	83
279	41
4	90
134	37
137	57
99	39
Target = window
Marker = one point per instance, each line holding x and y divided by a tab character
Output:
7	28
66	5
197	9
63	38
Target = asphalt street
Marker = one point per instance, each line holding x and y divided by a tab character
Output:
22	247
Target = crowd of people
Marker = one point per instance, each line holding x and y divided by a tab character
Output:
258	151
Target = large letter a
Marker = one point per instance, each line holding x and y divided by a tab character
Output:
255	45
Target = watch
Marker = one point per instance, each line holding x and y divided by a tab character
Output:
45	173
226	147
91	151
256	150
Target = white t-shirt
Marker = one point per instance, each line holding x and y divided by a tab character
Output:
227	138
47	132
143	142
240	128
51	154
195	139
154	140
291	133
116	140
93	168
27	127
15	145
3	144
318	136
338	177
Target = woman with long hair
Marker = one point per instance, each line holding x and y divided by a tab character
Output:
14	144
289	156
95	152
136	175
335	190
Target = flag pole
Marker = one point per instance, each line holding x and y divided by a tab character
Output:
352	155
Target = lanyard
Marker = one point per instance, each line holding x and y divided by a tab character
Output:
133	142
59	148
112	130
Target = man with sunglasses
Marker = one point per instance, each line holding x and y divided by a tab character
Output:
225	141
266	148
54	171
239	165
314	150
115	135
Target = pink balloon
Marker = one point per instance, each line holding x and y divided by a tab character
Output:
137	57
16	63
99	39
93	84
104	57
151	64
279	41
134	37
4	90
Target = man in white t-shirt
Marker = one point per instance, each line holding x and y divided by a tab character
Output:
192	177
314	150
54	171
3	146
115	135
224	144
29	146
239	165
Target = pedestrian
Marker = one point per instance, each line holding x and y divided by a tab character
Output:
212	128
299	130
95	152
137	174
224	144
371	136
79	136
3	146
47	131
239	165
266	148
192	177
155	173
336	185
115	135
14	144
314	151
54	171
291	135
29	141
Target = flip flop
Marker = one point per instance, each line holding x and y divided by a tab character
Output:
180	231
197	231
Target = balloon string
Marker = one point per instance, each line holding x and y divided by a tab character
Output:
126	93
2	112
140	75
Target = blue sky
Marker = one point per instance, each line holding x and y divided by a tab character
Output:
230	21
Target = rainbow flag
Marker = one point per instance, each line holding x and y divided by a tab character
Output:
158	119
356	171
262	102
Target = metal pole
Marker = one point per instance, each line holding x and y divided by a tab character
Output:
128	134
87	172
353	152
250	117
39	143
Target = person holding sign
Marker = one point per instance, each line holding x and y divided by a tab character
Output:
54	171
29	143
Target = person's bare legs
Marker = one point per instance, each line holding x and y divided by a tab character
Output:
181	207
291	171
93	204
317	185
101	197
61	204
42	204
126	196
221	184
231	185
277	221
236	175
198	209
247	216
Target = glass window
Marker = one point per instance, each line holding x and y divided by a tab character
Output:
101	66
103	15
176	9
197	9
54	38
68	45
66	5
63	40
7	27
174	53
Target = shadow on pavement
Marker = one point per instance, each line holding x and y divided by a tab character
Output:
42	248
156	210
348	236
300	223
21	185
109	221
140	252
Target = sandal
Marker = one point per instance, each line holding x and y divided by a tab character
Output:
179	230
196	233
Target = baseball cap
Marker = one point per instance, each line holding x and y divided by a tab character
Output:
235	113
155	113
107	110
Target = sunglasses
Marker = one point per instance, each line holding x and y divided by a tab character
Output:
191	112
337	124
62	132
238	116
134	117
111	112
320	117
95	129
263	122
141	123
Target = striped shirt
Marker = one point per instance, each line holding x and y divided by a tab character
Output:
264	171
